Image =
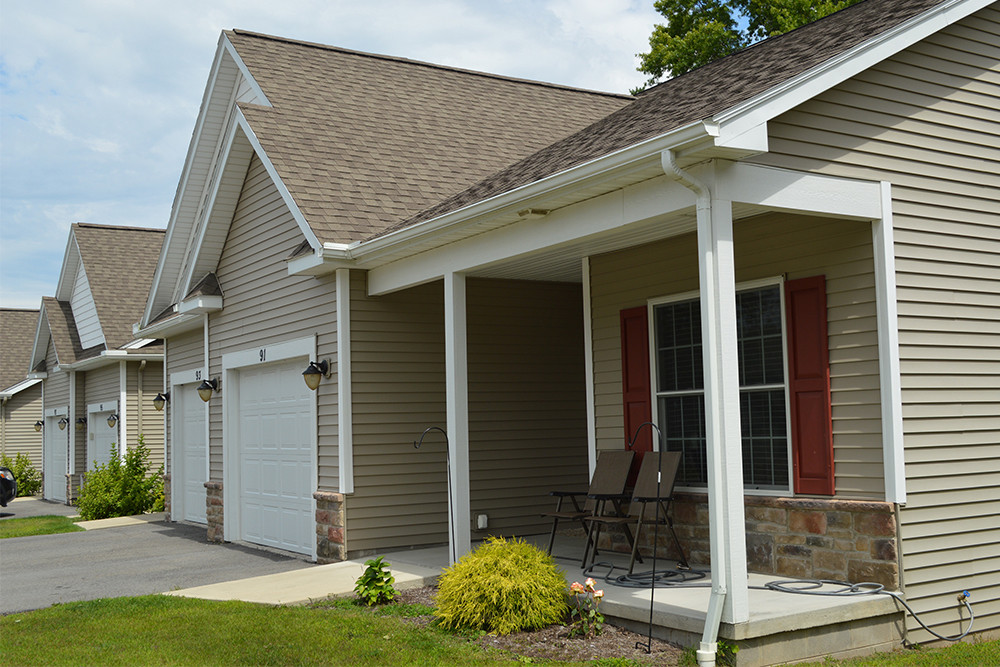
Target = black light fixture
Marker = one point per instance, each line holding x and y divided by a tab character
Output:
62	424
161	399
112	420
38	426
316	371
207	388
81	423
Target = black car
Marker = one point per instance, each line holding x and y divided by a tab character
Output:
8	486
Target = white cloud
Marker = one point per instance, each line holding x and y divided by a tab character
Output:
98	98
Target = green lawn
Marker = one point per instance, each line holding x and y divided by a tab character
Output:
37	525
164	630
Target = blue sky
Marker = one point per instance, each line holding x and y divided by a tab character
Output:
98	98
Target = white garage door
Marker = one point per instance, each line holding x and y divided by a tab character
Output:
100	439
191	460
276	461
55	460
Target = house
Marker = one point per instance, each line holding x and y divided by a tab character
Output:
98	380
785	260
20	398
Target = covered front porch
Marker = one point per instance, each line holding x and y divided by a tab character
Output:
782	627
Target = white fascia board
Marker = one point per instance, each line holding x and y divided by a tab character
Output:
171	327
42	317
157	286
110	357
599	215
37	376
138	343
18	387
757	111
329	258
286	196
804	192
200	304
244	70
71	261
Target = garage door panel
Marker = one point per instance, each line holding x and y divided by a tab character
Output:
190	440
276	457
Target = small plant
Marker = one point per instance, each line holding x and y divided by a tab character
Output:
29	480
123	487
502	587
586	621
725	653
374	586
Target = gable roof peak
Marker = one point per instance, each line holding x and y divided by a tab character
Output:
421	63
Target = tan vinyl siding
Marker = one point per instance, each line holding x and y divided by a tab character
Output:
765	247
142	387
186	351
928	121
527	400
19	415
397	359
102	384
264	305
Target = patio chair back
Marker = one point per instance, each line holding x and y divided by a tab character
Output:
645	483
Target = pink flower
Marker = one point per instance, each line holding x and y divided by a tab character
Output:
598	594
576	587
590	584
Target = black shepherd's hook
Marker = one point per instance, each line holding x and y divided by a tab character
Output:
648	647
452	544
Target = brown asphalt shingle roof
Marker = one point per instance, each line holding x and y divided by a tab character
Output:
119	262
62	327
17	336
363	141
695	96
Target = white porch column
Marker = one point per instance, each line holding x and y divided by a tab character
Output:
717	278
457	394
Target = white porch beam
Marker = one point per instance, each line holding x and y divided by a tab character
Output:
457	395
888	351
600	215
801	192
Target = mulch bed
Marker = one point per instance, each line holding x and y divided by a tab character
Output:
554	642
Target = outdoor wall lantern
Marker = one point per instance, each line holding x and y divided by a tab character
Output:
112	420
81	423
38	426
207	388
316	371
62	424
161	400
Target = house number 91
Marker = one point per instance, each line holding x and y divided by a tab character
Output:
263	354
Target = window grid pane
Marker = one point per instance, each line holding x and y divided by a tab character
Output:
760	352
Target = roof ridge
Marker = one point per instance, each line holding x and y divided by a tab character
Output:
95	225
423	63
13	309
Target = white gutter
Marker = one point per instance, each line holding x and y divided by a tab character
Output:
110	356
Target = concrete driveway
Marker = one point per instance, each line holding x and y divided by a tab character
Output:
136	559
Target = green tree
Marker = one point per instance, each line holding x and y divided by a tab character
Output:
700	31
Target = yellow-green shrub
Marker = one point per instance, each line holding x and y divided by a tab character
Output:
504	586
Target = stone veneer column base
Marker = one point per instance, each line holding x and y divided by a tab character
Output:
214	511
331	545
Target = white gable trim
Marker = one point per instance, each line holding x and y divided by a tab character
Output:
286	196
37	350
757	111
252	82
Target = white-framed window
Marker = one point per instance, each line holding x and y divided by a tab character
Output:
678	385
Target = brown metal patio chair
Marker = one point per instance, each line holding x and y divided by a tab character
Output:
608	483
648	506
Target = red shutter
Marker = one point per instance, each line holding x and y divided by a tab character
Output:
635	378
809	386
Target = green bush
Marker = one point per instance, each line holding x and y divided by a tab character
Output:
122	487
29	480
501	587
374	586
